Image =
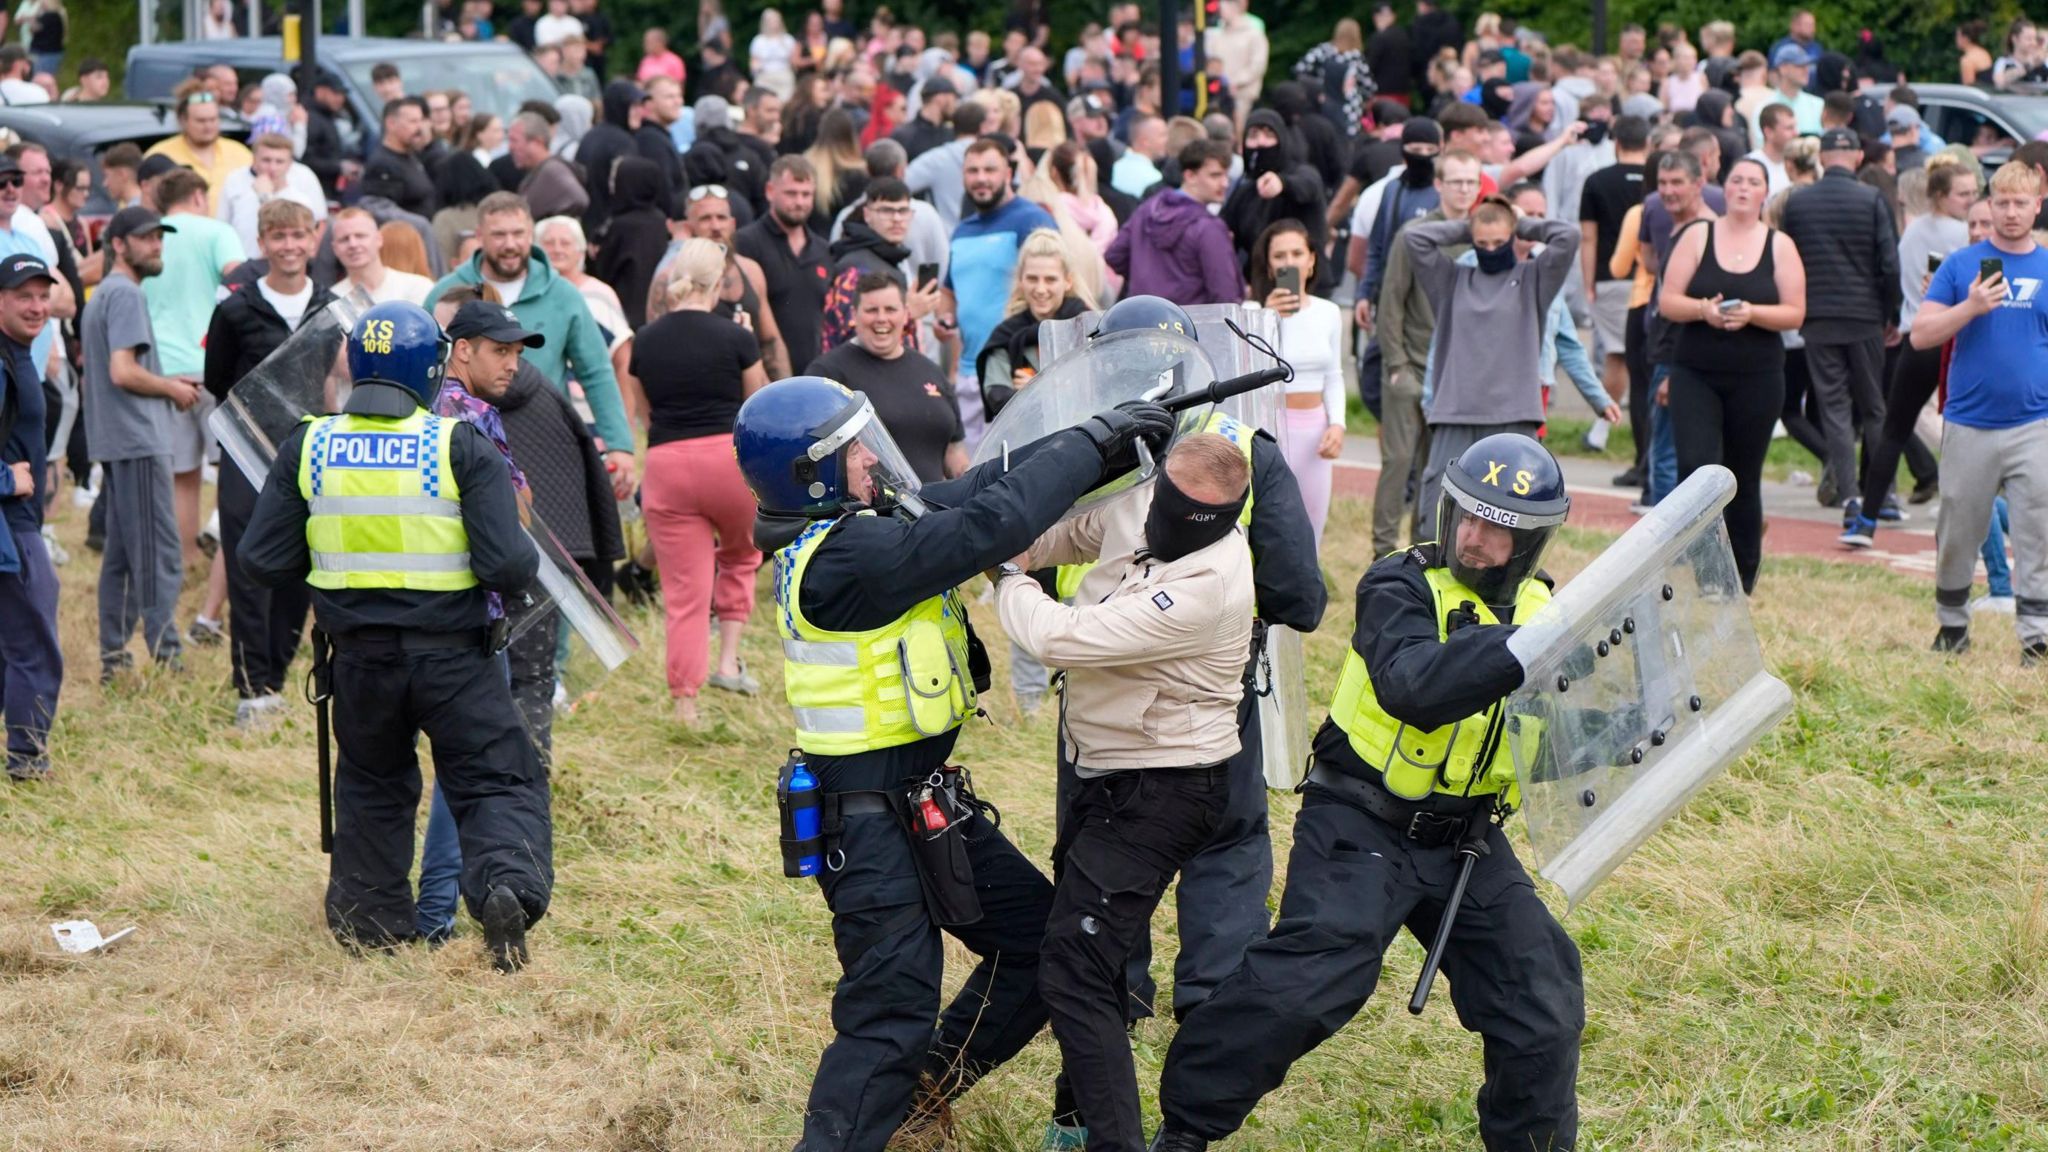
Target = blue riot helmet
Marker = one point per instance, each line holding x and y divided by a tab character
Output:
399	343
1145	312
1503	500
811	448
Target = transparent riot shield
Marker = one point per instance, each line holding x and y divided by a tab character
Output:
1645	681
1228	355
1282	683
1119	367
308	376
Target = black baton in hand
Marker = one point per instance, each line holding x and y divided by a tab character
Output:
1470	849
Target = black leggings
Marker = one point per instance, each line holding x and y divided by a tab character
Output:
1914	380
1726	418
1636	355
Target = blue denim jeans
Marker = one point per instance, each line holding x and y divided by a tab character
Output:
440	872
1663	475
1997	569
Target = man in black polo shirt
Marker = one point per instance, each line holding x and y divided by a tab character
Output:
796	260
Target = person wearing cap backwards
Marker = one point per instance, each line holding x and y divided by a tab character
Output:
1411	763
31	660
882	668
403	523
129	405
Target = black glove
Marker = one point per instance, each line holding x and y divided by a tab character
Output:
1116	433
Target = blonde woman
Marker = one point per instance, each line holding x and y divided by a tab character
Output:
1084	259
771	54
1005	111
1044	127
696	369
1073	172
842	172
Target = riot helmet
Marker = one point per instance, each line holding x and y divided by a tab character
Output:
1135	313
810	448
398	343
1503	500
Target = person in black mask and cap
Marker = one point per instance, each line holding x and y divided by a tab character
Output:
1154	677
1277	185
1410	197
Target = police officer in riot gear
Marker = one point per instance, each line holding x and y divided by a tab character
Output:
881	668
1413	761
401	522
1222	891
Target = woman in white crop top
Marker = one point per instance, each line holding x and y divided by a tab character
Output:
1311	338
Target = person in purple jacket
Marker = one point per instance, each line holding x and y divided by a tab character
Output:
1174	245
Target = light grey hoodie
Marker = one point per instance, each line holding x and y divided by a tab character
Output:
1489	328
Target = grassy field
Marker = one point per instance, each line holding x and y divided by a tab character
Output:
1841	945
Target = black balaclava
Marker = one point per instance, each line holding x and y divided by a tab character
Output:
1494	261
1421	170
1178	525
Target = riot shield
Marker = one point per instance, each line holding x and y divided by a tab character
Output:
1645	680
1119	367
308	376
1282	684
1228	355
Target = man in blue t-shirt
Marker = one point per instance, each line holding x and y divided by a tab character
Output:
982	264
1987	298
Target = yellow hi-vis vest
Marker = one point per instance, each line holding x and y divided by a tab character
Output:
1471	757
386	510
856	692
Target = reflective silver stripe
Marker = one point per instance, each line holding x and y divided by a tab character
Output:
821	654
830	721
384	506
391	562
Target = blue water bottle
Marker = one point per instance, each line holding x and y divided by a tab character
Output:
803	843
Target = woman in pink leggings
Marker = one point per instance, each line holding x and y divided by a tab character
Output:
1311	338
697	368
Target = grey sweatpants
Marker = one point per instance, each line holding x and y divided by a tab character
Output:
1975	463
143	566
1848	388
1404	441
1447	442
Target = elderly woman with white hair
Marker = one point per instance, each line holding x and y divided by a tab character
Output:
568	252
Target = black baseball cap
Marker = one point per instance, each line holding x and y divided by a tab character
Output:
135	220
481	318
1840	140
21	268
155	166
9	164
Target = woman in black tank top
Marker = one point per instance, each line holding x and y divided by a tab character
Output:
1732	286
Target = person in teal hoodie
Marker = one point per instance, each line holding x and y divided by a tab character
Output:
508	262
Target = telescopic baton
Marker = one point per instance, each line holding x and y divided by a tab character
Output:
1470	850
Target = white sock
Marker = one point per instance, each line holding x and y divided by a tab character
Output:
1597	437
201	620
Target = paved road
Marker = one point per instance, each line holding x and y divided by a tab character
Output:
1795	524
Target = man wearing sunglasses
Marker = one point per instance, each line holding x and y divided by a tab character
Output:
199	144
708	214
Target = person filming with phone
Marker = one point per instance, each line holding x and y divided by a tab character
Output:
1986	297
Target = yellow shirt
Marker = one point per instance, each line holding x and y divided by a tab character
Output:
228	156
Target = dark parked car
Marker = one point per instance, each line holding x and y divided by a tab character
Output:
1993	123
83	131
497	76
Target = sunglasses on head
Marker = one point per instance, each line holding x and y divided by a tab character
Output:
703	190
200	97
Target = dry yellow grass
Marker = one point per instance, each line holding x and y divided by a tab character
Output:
1843	945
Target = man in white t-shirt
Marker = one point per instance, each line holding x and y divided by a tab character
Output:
16	87
359	246
272	175
1777	126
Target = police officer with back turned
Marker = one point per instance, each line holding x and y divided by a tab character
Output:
1413	775
402	521
881	667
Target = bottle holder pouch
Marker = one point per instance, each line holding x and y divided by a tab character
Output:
802	820
935	814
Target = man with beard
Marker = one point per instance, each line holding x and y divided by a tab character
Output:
982	263
709	217
507	260
911	396
395	170
876	242
793	256
932	126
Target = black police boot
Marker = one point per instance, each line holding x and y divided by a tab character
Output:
1953	640
504	923
2034	653
1177	1140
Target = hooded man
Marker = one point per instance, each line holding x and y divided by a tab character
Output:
1412	194
1277	185
720	157
610	140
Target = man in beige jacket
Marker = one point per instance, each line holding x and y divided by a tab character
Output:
1154	651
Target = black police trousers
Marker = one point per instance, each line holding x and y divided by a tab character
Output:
892	960
264	624
1125	836
1220	903
495	785
1353	880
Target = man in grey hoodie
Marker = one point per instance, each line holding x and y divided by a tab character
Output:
1483	383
